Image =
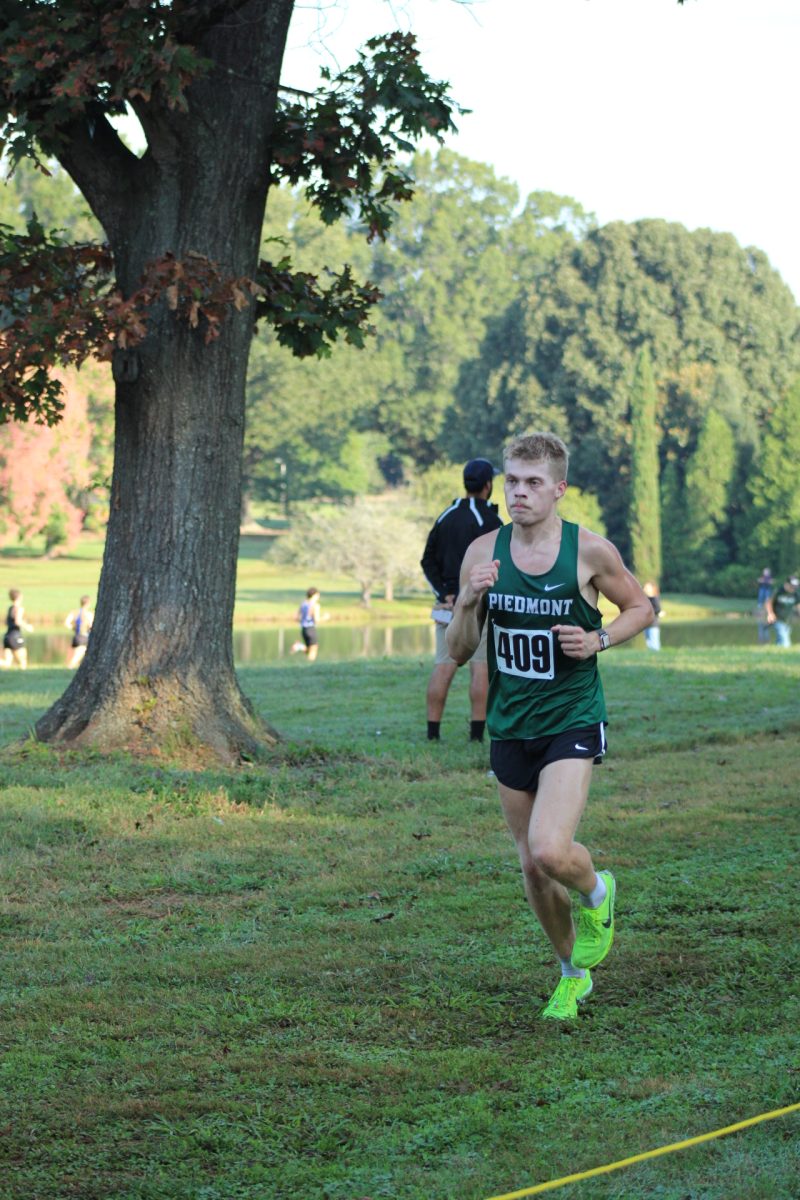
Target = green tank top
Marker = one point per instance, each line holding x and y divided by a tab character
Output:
534	689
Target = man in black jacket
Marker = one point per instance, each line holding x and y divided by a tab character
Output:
455	528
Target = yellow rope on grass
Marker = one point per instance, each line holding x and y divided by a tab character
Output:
627	1162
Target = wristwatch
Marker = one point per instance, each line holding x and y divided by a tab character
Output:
605	640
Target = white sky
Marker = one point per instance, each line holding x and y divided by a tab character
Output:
635	108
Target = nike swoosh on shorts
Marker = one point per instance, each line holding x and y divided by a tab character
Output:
579	747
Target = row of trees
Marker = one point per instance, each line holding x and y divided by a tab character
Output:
172	299
665	358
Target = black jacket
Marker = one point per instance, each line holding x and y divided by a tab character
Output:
447	542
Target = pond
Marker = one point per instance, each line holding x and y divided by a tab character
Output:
378	640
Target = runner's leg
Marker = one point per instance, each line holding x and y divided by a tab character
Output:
548	899
438	687
560	800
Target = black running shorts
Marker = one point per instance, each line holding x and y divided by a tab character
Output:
518	762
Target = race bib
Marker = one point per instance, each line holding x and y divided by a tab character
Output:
525	652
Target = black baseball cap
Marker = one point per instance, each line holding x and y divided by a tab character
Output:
477	473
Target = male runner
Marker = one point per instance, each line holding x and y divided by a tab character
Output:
308	614
537	582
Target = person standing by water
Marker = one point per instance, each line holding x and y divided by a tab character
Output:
80	623
14	648
308	614
536	585
782	607
652	635
766	586
453	531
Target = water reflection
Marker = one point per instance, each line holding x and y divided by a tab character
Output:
342	642
337	642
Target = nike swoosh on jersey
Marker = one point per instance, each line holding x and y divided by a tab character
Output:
551	587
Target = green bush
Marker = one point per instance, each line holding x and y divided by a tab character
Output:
56	531
733	580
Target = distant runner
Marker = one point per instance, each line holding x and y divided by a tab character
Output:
308	614
14	648
80	623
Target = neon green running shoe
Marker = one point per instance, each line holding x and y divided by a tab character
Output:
563	1004
596	928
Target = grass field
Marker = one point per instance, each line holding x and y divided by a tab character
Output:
317	978
265	593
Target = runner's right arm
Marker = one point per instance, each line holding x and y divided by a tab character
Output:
478	573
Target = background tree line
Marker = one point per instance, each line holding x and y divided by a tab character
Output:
667	359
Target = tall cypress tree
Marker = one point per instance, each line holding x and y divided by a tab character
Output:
775	487
672	507
644	510
709	478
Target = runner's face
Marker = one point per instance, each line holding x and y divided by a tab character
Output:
531	491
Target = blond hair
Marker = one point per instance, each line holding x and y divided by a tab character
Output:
540	447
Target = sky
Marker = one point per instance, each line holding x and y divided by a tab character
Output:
634	108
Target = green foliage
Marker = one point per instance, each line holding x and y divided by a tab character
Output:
307	318
56	530
672	523
735	579
564	355
443	272
83	315
709	474
645	509
373	541
353	471
64	62
52	198
436	487
774	486
495	318
456	254
65	325
583	508
309	417
346	138
65	68
310	413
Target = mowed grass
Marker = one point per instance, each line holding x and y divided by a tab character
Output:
317	978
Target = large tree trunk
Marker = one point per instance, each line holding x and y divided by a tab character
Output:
159	672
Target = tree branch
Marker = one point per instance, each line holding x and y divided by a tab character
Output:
101	165
200	18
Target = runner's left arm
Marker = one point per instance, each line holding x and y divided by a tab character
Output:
610	576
